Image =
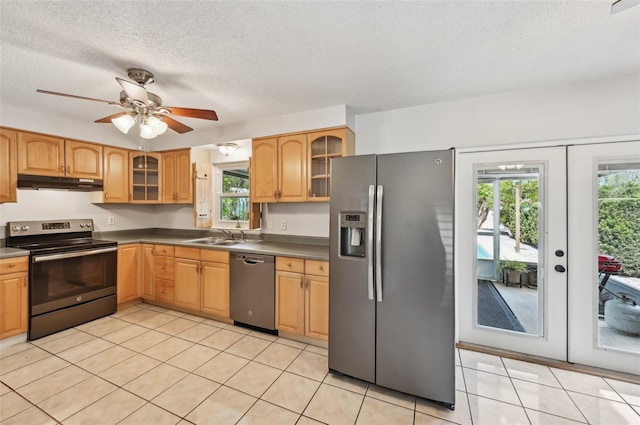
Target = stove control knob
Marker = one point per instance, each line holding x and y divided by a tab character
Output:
25	228
81	224
88	224
15	228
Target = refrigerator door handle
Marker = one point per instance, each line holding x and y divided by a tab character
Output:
379	244
369	251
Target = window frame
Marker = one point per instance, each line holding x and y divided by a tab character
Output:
218	194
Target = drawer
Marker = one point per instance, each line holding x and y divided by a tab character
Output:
289	264
15	264
164	267
163	250
315	267
214	256
165	291
184	252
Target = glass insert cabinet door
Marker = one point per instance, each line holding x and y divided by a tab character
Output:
604	236
145	177
511	244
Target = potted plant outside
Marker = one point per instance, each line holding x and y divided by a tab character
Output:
512	269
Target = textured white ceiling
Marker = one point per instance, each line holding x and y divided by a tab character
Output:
254	60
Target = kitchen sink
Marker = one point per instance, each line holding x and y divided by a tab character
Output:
214	241
217	241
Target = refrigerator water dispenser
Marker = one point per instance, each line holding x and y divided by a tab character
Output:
352	234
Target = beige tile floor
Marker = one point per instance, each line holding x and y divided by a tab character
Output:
147	365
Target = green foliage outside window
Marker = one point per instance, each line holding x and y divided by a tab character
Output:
234	204
619	219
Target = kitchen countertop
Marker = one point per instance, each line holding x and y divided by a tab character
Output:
315	249
12	252
294	248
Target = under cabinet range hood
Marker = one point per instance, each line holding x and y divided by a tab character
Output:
28	181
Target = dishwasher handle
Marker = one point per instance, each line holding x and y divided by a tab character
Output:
249	259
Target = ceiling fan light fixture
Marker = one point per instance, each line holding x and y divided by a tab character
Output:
124	123
157	125
621	5
146	131
227	148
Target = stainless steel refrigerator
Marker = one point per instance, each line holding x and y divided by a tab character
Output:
391	300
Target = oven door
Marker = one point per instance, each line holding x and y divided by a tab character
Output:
63	279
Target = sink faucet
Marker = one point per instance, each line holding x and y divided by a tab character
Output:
244	237
228	233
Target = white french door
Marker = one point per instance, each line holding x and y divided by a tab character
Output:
511	210
604	206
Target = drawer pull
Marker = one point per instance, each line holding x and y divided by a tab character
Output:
12	265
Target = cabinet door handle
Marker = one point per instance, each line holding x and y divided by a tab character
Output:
24	281
106	195
61	169
68	169
275	194
309	193
301	282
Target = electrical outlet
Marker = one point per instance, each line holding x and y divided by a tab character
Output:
283	225
270	224
111	220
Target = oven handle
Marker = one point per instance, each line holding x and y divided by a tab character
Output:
38	259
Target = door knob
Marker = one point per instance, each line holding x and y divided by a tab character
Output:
559	253
560	269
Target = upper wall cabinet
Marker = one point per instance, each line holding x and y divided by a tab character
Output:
279	169
324	145
51	156
177	181
295	167
145	177
116	176
8	165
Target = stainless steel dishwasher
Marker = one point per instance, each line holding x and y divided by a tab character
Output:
253	289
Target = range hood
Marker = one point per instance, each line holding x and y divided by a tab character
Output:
28	181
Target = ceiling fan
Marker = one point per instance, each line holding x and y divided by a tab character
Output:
145	108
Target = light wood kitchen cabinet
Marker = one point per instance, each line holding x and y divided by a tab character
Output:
302	297
215	282
177	181
116	176
323	146
8	165
14	295
52	156
129	272
187	277
317	299
145	177
202	280
279	169
164	273
148	275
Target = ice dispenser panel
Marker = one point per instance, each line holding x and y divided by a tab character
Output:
352	234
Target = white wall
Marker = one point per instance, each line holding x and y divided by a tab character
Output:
305	219
59	204
605	108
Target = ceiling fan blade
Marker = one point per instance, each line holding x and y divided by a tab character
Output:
176	126
134	91
204	114
77	97
110	117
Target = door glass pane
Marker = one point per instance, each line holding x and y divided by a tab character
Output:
509	292
619	256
